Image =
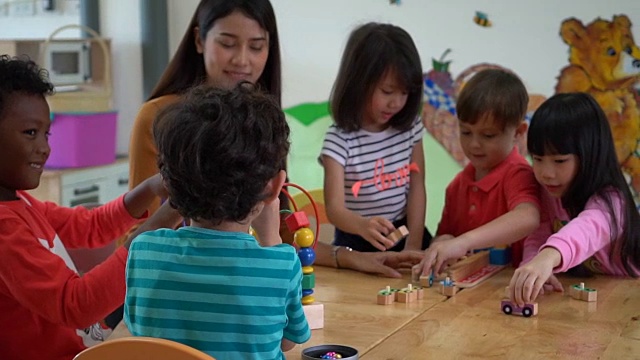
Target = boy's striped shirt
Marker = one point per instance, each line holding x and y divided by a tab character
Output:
219	292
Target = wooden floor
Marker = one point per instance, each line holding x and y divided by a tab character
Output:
471	324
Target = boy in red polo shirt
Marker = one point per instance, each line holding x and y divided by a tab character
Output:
493	201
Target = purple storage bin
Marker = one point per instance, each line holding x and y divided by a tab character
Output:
82	139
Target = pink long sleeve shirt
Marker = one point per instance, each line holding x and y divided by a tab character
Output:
586	239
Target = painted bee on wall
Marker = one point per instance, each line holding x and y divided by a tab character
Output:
482	19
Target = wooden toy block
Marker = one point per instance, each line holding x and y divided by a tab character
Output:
468	266
315	315
419	292
296	221
447	287
580	292
426	280
499	256
386	296
479	276
527	310
407	295
398	234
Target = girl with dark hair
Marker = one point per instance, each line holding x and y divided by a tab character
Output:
372	156
227	41
589	217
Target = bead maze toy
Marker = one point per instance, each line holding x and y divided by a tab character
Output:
579	292
298	223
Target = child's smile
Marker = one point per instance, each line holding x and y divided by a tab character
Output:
24	145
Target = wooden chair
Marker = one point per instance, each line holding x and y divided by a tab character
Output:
141	348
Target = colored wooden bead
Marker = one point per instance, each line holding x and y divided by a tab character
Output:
307	256
303	237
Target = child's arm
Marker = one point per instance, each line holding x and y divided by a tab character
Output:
287	345
417	201
504	230
374	230
139	198
41	281
80	227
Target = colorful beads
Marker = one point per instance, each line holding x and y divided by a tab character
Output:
331	355
304	238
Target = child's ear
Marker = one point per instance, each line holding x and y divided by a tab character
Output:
274	186
521	130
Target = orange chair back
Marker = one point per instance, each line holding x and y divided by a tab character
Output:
141	348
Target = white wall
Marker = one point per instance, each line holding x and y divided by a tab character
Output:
120	21
524	37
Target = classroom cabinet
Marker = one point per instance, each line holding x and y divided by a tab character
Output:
72	187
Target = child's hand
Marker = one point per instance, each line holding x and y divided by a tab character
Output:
437	255
267	224
528	280
156	185
376	230
552	285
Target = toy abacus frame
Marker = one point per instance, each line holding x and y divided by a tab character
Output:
313	204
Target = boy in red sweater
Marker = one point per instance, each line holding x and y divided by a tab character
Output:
47	311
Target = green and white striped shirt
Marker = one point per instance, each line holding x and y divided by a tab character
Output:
219	292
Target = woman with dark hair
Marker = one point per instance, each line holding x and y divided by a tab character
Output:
227	41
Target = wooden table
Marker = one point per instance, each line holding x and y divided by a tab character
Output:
351	314
471	325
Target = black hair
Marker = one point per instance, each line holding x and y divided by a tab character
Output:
372	50
21	75
186	68
218	149
574	123
493	92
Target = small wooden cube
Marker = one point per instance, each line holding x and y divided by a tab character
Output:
448	290
398	234
386	296
407	295
296	221
315	315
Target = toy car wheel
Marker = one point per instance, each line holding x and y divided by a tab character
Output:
526	312
507	309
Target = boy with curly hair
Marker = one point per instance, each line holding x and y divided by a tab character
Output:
211	285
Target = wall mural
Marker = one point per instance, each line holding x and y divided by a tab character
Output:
605	62
439	111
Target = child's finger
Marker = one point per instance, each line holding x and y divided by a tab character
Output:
555	284
537	288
